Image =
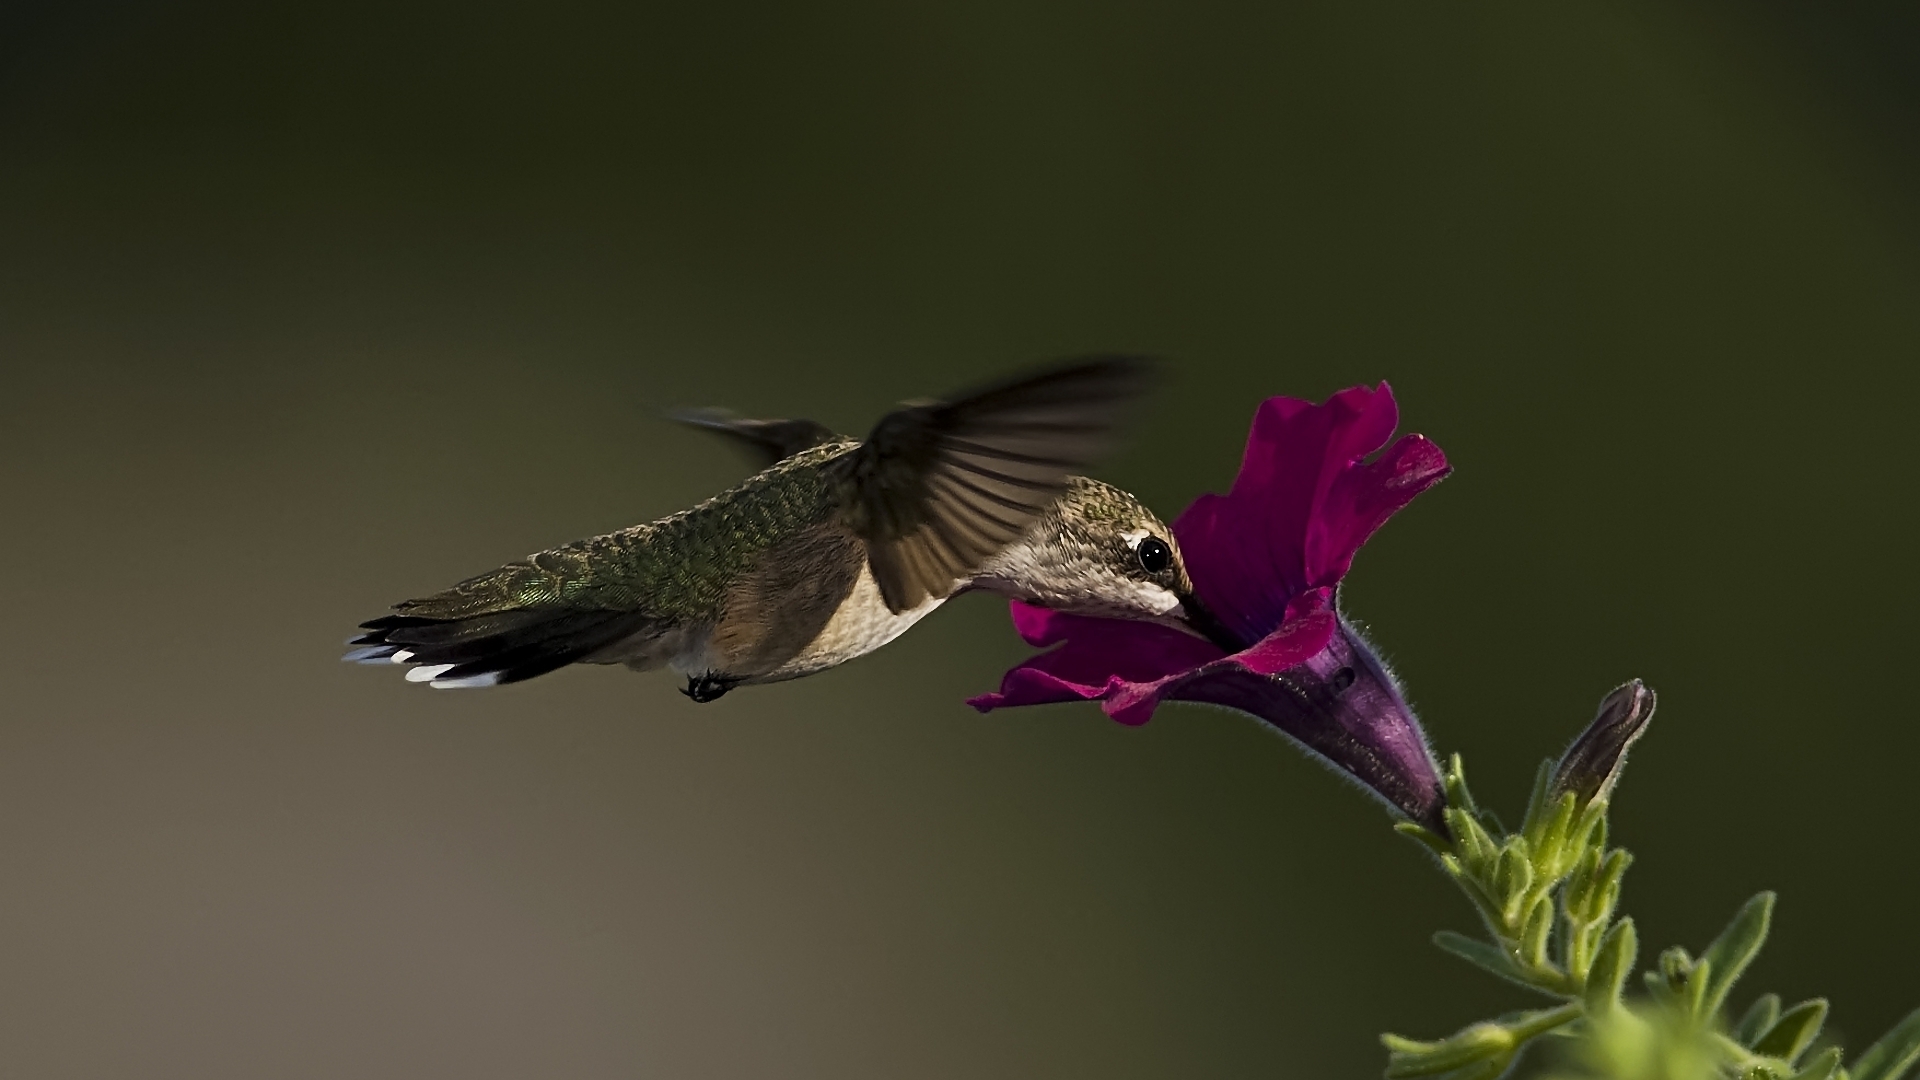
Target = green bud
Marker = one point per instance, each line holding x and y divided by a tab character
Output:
1675	964
1408	1057
1514	878
1796	1029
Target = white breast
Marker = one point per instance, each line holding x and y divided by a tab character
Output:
860	625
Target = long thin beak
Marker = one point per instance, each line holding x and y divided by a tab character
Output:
1204	622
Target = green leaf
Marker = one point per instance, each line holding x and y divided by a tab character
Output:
1475	846
1491	821
1427	838
1586	826
1487	958
1698	982
1582	888
1732	951
1536	931
1611	873
1759	1017
1896	1052
1456	784
1549	844
1821	1066
1581	945
1611	966
1790	1036
1537	802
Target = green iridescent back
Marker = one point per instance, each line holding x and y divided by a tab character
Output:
678	567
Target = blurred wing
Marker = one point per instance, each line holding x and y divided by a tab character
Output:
939	488
765	441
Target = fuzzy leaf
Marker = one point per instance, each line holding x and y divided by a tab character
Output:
1472	841
1427	838
1582	888
1513	879
1611	966
1896	1052
1549	847
1538	929
1698	982
1487	958
1732	951
1821	1066
1587	826
1790	1036
1760	1016
1611	873
1456	785
1537	802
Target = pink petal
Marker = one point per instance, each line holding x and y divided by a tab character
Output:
1302	505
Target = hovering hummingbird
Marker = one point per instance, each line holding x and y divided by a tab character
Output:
830	551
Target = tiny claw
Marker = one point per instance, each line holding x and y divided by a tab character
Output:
708	687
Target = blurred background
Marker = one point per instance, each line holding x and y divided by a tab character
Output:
305	309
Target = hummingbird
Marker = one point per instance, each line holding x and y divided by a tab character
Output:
835	547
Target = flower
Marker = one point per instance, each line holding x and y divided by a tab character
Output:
1266	561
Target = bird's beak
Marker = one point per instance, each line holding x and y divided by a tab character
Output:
1196	618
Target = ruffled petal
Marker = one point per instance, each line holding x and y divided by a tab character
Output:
1303	503
1099	660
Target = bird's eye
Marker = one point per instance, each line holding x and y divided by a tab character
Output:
1154	555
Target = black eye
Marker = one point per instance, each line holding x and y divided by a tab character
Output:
1154	555
1342	680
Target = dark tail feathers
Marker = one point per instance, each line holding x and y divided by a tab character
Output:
492	648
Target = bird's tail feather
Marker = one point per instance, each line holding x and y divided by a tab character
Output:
491	648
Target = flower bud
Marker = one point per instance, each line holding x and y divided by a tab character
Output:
1592	765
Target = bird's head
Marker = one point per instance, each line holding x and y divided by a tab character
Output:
1099	551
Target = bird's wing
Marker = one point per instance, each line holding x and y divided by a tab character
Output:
766	441
941	487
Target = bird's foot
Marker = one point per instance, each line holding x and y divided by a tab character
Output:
708	687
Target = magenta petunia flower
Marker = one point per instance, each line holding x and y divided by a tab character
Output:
1267	559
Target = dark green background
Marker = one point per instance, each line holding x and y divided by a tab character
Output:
303	312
